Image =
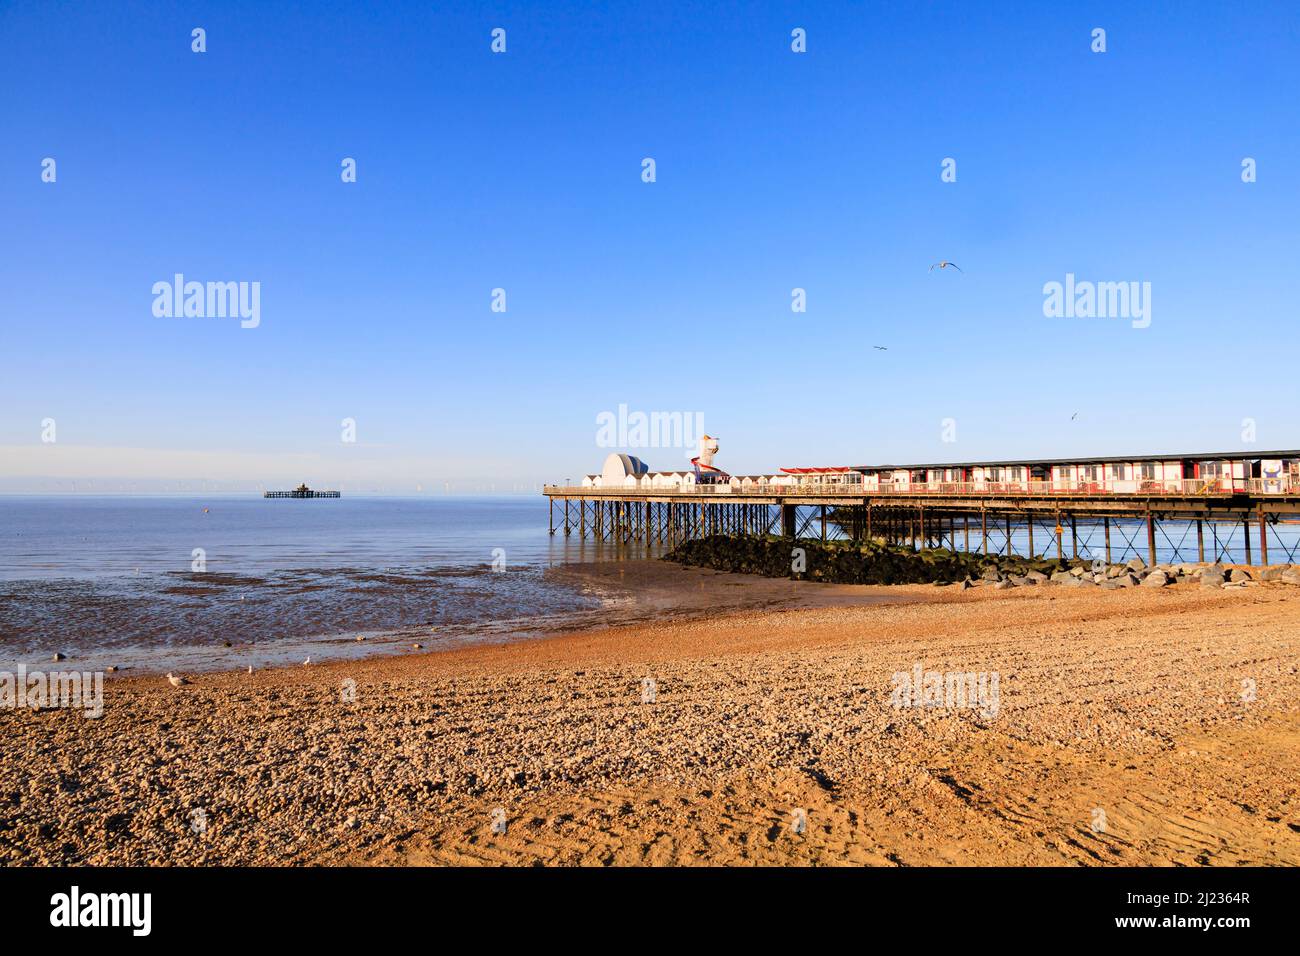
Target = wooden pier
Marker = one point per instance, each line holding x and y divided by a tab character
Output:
1193	521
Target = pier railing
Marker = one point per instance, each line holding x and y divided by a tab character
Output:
1173	487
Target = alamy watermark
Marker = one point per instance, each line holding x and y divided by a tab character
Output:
499	823
1098	300
951	690
130	910
624	429
39	690
209	300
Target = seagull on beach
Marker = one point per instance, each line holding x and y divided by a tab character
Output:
306	662
250	668
176	681
944	263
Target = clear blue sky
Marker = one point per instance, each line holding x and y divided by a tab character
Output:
523	171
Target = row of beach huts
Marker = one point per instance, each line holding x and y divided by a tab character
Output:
1273	472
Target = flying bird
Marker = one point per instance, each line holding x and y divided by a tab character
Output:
945	264
175	681
1074	416
881	348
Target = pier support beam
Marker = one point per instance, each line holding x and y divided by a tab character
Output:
655	518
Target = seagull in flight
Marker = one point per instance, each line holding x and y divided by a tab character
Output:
1074	416
943	264
881	348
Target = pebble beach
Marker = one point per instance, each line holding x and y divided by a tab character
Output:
1132	727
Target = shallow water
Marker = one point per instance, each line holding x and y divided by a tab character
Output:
129	579
116	580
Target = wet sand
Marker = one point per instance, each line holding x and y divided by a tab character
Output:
647	591
1124	735
621	592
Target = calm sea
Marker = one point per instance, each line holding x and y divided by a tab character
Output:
141	580
190	583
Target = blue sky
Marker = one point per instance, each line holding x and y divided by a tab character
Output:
522	171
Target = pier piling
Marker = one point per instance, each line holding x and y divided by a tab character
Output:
671	516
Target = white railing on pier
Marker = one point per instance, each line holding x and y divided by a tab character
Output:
1172	487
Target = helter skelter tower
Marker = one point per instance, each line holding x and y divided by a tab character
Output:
705	473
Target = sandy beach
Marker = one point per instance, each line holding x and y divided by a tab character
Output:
1144	726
